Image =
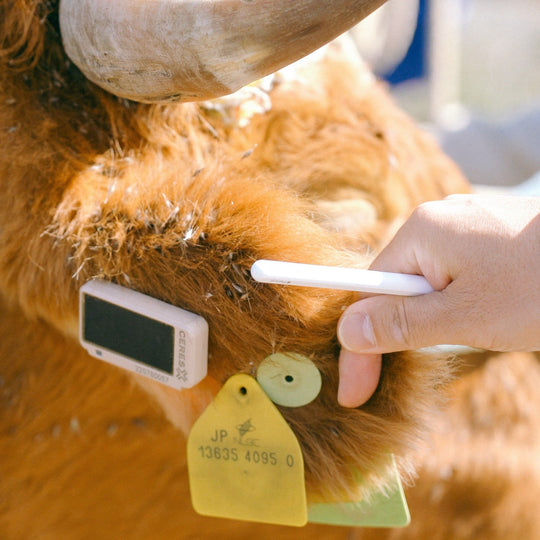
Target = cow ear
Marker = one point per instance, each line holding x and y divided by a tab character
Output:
158	50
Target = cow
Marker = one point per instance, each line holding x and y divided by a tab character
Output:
125	158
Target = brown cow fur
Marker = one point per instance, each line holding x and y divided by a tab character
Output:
177	201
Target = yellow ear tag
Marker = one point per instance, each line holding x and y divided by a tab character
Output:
244	461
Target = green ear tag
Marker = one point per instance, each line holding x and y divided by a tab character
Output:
289	379
244	461
387	509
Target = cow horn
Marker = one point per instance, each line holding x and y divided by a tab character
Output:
190	50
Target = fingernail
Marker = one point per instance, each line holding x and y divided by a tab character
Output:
355	332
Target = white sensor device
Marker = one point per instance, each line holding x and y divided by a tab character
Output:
333	277
142	334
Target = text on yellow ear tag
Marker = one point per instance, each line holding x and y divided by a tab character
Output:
244	460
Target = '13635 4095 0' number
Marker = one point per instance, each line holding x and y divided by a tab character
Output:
251	456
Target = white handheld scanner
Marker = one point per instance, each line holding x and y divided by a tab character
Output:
333	277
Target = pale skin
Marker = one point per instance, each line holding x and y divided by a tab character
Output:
481	254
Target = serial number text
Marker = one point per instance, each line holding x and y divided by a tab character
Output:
261	457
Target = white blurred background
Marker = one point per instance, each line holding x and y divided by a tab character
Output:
469	70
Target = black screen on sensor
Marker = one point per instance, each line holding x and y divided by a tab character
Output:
128	333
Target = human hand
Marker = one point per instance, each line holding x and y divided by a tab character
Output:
481	254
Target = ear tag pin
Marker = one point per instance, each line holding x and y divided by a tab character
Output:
244	460
289	379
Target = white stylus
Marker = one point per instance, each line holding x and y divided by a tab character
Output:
334	277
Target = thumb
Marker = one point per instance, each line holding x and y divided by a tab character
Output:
382	324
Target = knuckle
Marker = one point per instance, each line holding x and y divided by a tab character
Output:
421	211
425	212
458	197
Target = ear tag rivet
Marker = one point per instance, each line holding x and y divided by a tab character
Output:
289	379
244	461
